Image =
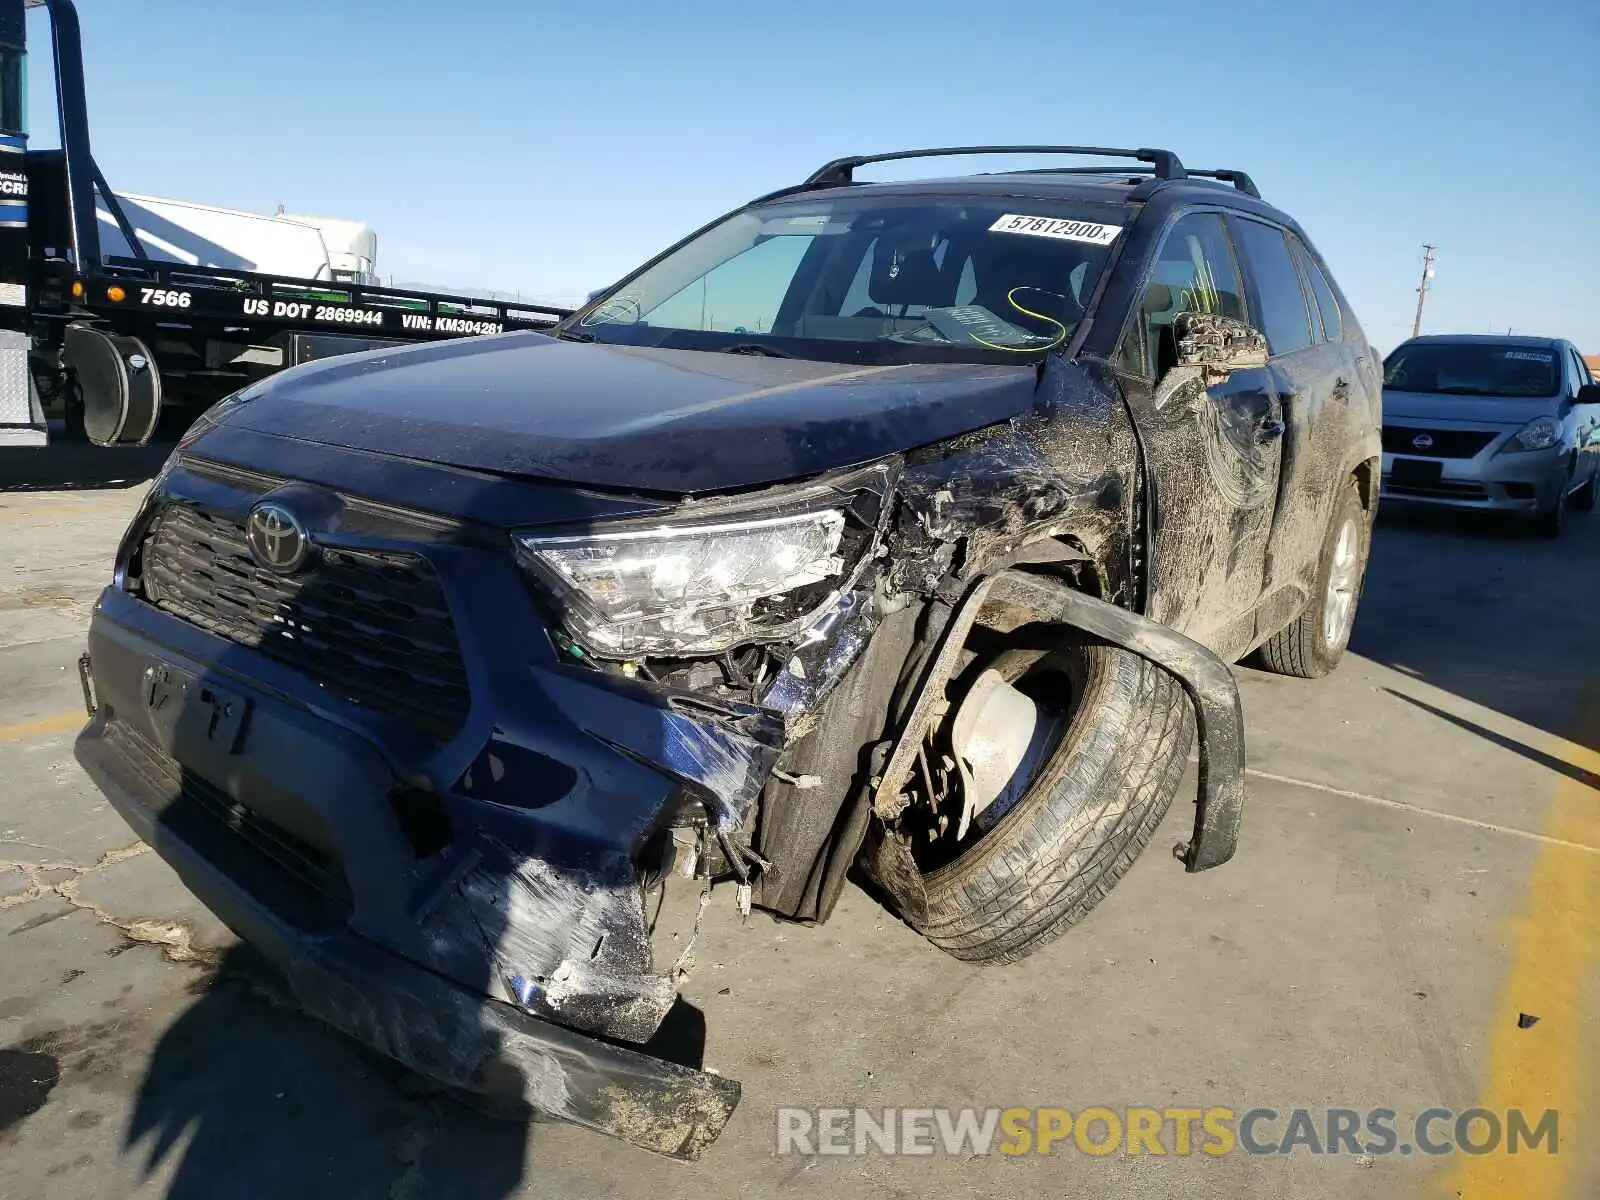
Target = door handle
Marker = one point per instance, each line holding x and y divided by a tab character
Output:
1270	431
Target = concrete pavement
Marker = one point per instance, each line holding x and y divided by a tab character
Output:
1420	865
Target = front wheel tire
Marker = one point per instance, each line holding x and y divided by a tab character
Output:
1553	523
1081	823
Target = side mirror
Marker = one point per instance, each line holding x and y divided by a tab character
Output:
594	294
1218	345
1589	393
1210	348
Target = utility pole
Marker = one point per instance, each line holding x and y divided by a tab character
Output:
1422	288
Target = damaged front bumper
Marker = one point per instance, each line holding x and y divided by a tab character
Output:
419	1018
506	953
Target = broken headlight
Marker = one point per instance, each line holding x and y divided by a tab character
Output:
691	589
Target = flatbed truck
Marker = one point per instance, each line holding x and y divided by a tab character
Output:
120	345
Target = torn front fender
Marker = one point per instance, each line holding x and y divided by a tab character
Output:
1021	598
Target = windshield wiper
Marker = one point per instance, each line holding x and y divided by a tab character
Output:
756	348
575	335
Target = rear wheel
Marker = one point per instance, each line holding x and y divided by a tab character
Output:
1112	736
1314	643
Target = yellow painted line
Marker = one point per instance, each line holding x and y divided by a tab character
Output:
43	727
1555	1063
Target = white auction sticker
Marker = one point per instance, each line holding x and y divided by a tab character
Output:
1531	356
1057	227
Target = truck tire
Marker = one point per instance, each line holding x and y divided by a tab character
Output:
72	413
1312	645
1092	808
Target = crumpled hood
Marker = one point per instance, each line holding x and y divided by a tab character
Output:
1467	412
640	419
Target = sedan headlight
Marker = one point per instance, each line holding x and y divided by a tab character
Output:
690	589
1538	434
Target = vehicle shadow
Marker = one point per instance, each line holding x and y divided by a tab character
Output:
246	1096
1548	761
1504	640
79	466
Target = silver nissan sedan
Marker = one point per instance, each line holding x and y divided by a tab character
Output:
1503	424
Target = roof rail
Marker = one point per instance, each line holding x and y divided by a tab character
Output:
1240	181
1164	163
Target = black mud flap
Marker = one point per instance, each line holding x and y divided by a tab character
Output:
1210	684
117	383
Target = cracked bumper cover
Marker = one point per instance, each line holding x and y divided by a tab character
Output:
435	1026
463	965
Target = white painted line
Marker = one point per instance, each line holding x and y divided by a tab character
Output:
1402	806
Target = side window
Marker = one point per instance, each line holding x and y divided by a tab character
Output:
1327	304
1284	318
1580	367
1195	271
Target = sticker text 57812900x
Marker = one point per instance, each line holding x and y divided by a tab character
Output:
1059	228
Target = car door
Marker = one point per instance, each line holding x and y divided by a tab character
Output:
1315	375
1212	451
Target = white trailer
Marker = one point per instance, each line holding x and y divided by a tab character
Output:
202	235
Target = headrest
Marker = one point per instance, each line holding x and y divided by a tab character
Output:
1157	297
901	276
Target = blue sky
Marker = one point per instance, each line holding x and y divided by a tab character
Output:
550	148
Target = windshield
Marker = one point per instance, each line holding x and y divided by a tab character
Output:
902	279
1474	369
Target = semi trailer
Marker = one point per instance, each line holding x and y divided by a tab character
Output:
328	249
119	335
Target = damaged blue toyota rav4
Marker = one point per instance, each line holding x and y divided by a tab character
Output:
898	532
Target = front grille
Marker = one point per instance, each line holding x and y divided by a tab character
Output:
1438	489
296	880
1447	443
370	627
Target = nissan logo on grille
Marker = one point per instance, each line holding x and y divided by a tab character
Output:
1422	441
277	539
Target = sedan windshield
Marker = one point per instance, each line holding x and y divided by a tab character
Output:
897	279
1474	369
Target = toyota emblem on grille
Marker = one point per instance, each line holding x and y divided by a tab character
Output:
277	539
1422	441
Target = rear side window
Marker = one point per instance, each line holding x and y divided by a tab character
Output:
1283	317
1327	304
